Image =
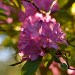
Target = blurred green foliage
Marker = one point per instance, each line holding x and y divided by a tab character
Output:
64	16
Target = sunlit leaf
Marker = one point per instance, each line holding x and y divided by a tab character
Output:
19	2
23	8
62	3
68	4
49	63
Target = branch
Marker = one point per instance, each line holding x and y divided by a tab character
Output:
30	1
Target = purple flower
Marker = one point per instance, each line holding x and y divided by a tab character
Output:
46	4
30	9
39	31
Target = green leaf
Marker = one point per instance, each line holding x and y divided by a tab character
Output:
19	2
6	1
30	67
2	14
64	66
7	42
2	10
56	59
62	3
49	63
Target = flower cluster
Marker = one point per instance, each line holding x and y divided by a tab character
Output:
39	31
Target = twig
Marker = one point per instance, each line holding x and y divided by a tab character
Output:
69	42
53	3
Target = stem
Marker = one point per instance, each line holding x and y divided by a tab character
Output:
53	3
38	72
69	42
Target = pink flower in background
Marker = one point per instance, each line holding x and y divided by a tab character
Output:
8	11
5	7
39	31
9	20
71	72
54	67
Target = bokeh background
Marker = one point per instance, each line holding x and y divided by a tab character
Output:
10	29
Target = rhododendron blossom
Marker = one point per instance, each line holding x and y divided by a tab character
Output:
43	5
46	4
39	31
